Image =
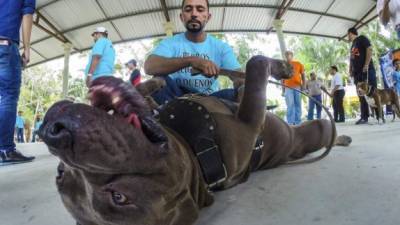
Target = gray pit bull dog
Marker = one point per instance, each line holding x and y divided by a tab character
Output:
120	166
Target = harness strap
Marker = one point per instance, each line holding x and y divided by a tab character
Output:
370	91
194	123
256	156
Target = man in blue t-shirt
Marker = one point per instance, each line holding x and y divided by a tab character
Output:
19	127
175	57
102	57
36	127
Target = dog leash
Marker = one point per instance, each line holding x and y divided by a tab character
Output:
237	74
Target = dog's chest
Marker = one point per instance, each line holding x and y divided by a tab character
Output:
371	101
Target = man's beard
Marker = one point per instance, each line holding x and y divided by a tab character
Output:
194	26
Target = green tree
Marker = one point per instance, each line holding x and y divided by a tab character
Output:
40	89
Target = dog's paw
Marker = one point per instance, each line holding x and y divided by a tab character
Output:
150	86
343	140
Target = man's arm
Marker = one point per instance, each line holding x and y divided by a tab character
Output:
334	89
163	66
367	59
384	14
27	21
93	65
303	79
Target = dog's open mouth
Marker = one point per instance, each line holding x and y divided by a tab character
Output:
122	100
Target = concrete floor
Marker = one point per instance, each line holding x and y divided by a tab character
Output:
358	185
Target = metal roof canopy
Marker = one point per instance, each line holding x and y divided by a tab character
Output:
72	21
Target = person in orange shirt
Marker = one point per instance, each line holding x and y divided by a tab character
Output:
292	97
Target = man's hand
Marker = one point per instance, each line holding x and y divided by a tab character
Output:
25	57
207	67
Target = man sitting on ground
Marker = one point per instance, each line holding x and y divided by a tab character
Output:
175	57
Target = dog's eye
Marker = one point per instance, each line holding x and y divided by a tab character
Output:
119	198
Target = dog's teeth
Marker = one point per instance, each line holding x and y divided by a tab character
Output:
111	112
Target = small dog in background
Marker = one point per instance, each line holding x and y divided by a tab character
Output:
377	98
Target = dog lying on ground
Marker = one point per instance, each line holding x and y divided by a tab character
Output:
120	166
377	98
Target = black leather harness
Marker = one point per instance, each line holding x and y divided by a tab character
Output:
196	125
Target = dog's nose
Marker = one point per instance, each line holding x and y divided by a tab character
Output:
57	136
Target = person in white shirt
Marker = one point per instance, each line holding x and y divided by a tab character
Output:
337	93
389	11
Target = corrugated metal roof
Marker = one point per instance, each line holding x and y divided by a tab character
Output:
74	20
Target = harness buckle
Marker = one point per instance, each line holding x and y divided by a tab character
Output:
213	167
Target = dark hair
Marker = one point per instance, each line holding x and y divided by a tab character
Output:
132	61
208	4
289	53
335	68
353	30
394	61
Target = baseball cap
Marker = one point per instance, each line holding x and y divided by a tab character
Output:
100	30
132	61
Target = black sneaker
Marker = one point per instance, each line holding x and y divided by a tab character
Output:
14	157
361	121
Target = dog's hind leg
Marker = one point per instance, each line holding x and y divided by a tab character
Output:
258	69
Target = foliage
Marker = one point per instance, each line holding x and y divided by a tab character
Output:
318	54
41	87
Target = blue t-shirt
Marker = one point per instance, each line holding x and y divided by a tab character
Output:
11	13
211	49
396	79
38	124
19	122
104	48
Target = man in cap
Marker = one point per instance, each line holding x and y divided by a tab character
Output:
134	77
102	57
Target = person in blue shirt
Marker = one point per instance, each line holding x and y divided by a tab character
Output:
101	58
175	57
396	75
36	127
13	14
19	127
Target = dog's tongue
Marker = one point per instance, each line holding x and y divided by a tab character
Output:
134	120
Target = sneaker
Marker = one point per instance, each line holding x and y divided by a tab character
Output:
361	121
14	157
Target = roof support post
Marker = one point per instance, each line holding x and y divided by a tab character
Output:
169	28
67	53
278	25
